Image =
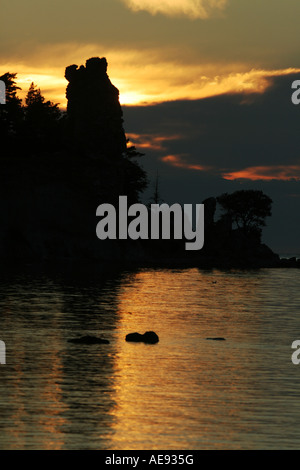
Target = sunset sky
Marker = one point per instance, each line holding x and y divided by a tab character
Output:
205	87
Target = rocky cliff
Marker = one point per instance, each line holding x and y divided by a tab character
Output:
95	116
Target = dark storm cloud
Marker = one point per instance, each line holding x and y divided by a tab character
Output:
202	141
225	133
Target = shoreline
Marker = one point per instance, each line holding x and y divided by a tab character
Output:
61	264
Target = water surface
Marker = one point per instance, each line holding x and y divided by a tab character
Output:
183	393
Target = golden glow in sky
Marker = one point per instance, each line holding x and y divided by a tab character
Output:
157	50
142	79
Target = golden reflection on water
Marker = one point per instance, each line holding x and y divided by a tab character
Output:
185	392
173	392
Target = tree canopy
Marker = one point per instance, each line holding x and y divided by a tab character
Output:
11	112
41	120
247	209
11	88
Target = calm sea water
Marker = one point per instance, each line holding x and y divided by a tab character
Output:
183	393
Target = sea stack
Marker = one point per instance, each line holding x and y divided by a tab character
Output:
95	118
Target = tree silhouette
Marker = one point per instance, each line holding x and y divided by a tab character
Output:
38	108
11	114
41	120
247	209
156	198
11	89
134	177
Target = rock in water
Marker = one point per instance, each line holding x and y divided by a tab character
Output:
88	340
134	337
150	337
216	339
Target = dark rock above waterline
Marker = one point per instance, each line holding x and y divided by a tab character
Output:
88	340
150	337
216	339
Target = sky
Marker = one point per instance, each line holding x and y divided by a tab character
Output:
205	87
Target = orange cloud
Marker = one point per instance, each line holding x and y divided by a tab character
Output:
149	141
266	173
178	161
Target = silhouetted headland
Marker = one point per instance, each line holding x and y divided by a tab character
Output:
57	167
